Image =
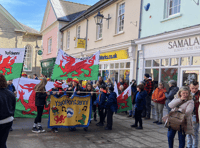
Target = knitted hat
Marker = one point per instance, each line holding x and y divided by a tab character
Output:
75	80
24	75
58	84
146	75
48	79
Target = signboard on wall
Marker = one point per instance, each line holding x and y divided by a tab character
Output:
114	55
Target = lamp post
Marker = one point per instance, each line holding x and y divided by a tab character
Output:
36	50
99	19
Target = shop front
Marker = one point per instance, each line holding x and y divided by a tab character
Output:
47	66
116	65
170	56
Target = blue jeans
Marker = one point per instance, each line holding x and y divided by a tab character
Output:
192	141
132	112
171	134
166	104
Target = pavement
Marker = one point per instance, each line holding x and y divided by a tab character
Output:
122	135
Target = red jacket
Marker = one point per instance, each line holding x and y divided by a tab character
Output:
149	86
125	85
196	105
159	95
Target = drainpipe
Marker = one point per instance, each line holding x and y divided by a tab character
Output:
86	39
139	38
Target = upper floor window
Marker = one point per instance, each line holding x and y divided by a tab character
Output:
120	19
99	31
68	39
78	34
49	45
28	59
173	7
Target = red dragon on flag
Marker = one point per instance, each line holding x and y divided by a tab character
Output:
7	63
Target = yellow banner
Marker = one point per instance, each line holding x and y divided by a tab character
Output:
81	43
65	111
114	55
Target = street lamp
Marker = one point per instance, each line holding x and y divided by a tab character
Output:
99	18
36	50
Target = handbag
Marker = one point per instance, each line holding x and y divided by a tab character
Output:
176	120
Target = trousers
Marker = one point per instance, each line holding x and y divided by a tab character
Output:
4	131
102	114
159	111
109	118
39	114
147	109
138	117
171	134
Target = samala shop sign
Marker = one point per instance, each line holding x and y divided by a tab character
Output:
185	44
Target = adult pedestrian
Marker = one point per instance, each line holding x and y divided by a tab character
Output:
149	89
184	100
101	81
158	98
121	89
35	77
7	109
122	82
109	83
139	105
40	101
173	89
111	106
193	140
133	91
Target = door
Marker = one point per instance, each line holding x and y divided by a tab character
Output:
188	75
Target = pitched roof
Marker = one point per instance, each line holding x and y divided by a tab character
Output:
71	17
30	30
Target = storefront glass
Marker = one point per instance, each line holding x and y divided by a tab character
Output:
189	76
154	73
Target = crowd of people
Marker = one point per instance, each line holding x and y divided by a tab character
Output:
104	101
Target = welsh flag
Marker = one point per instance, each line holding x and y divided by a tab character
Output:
67	66
124	101
11	62
25	105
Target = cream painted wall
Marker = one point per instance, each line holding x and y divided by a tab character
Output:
132	15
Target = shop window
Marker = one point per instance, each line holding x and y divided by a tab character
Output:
28	59
189	76
148	63
185	61
154	73
174	61
125	74
99	66
156	63
114	75
196	60
128	65
106	66
168	74
165	62
116	65
121	65
111	66
105	74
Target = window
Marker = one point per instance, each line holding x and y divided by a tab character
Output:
148	63
154	74
156	62
185	61
120	20
196	60
173	7
49	45
28	59
99	31
68	39
78	33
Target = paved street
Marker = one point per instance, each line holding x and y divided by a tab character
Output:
121	136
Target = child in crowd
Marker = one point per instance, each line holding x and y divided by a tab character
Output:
111	106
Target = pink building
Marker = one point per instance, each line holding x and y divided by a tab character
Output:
58	13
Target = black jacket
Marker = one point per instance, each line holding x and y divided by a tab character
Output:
7	103
40	99
94	96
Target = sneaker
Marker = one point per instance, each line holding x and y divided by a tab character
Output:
99	124
129	116
55	130
139	128
41	129
159	123
35	130
155	122
134	125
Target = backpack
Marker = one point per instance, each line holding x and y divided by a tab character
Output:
176	120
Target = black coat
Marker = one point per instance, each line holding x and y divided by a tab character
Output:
40	99
94	96
7	103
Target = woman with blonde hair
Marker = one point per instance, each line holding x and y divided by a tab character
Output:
40	101
183	100
109	83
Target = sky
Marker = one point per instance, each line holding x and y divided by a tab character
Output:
31	12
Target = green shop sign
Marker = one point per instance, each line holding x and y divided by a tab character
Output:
40	52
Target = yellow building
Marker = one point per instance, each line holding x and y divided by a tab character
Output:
113	35
17	35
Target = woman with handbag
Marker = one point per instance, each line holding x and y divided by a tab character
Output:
184	103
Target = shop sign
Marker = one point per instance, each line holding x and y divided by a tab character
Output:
81	43
40	52
192	43
115	55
